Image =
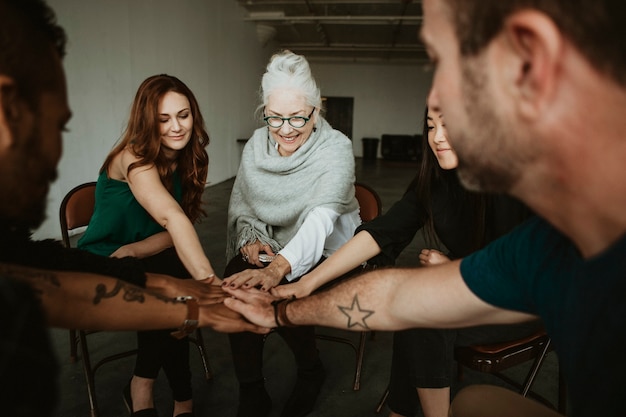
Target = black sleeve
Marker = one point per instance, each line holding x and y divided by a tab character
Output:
394	230
51	254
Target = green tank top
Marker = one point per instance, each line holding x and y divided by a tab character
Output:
118	218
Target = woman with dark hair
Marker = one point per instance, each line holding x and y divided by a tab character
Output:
148	195
463	222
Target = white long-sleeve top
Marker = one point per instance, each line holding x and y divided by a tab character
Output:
322	233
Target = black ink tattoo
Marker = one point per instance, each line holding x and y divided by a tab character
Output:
356	315
130	293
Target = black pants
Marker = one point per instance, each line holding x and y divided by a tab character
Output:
424	358
157	348
247	348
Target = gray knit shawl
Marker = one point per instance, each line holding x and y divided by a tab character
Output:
273	194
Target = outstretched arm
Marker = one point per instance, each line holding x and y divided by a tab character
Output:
384	299
90	301
352	254
146	186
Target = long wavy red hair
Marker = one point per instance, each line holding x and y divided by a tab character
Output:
143	138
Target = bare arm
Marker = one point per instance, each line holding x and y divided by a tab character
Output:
144	248
352	254
384	299
91	301
146	186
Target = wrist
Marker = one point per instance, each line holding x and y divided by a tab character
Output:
209	276
280	266
280	312
190	324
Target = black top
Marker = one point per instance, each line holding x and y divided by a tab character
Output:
17	247
454	221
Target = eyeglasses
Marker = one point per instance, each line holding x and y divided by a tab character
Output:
294	121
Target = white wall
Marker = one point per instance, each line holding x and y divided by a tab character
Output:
388	99
115	44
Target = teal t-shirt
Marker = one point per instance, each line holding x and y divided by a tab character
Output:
118	218
582	303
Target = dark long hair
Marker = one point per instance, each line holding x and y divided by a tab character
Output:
430	173
143	138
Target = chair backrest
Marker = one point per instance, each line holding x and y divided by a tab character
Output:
76	209
369	202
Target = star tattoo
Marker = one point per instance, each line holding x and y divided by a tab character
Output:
356	315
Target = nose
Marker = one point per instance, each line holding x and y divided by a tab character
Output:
285	128
440	134
175	125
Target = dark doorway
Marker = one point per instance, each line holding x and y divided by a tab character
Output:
339	113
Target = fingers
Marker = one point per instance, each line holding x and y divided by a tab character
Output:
268	249
226	320
282	291
250	295
257	311
252	278
288	291
242	279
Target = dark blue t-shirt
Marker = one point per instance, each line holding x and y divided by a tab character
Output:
582	302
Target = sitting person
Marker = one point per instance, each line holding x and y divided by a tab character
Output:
463	221
538	93
292	205
40	281
148	195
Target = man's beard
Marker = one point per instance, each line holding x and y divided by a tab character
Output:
486	162
26	177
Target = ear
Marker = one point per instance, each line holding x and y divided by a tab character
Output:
537	46
9	112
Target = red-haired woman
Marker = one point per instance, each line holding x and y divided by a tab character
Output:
148	195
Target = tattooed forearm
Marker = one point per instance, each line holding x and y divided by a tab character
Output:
130	293
356	315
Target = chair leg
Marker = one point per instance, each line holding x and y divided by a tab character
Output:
199	342
359	361
382	401
89	374
530	378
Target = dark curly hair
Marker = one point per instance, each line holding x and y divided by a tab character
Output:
29	40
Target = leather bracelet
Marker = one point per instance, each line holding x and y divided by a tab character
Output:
280	312
191	322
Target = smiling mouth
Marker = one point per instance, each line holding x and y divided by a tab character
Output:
291	139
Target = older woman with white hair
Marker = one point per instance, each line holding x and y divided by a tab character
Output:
292	205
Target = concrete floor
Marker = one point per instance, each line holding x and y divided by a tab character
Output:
218	397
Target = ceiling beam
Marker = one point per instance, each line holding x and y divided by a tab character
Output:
252	3
356	20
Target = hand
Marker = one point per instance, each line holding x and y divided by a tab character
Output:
124	251
297	290
222	319
430	257
172	287
251	252
267	278
255	305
